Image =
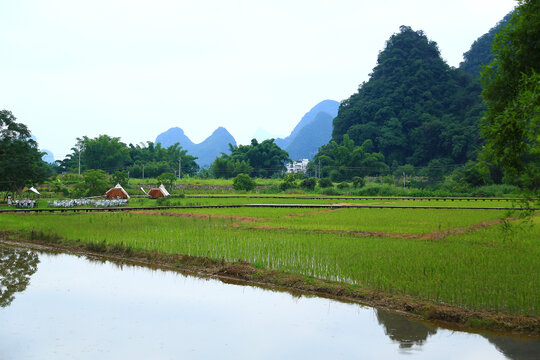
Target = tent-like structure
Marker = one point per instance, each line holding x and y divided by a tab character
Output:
117	192
31	191
158	192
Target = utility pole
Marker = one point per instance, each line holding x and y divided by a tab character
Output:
128	177
143	174
79	161
319	169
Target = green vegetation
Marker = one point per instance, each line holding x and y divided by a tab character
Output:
20	159
110	155
264	159
480	53
243	182
511	125
470	268
342	162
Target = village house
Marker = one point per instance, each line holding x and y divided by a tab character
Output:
297	166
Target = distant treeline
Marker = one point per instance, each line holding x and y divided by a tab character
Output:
111	155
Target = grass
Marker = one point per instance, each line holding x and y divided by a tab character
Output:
480	269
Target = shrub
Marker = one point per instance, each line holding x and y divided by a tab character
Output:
243	182
289	182
325	182
343	185
358	182
309	183
330	191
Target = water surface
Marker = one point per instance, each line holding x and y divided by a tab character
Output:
58	306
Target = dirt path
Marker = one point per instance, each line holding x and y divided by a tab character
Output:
196	215
429	236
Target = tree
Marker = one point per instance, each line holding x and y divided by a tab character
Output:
511	126
157	159
20	160
358	182
94	183
103	152
342	162
325	182
18	266
289	182
263	159
120	177
168	179
243	182
309	183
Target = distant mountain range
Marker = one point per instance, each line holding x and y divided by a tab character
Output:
313	131
261	135
48	157
206	151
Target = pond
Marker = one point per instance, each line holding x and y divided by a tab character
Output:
60	306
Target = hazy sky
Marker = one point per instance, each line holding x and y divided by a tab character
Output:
134	69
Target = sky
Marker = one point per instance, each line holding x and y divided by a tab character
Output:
133	69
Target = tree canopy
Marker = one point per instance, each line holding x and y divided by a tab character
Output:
110	155
345	161
511	125
257	160
20	160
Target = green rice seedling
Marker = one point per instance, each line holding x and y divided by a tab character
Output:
475	269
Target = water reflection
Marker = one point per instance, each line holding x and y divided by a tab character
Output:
402	330
16	268
523	349
92	308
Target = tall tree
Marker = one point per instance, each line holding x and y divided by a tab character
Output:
511	125
257	159
20	160
345	161
103	152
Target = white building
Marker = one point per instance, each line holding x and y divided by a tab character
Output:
297	166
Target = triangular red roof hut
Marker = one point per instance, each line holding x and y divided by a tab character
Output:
117	192
158	192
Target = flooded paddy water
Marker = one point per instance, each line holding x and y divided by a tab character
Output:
60	306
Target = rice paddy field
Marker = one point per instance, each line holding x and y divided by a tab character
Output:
461	257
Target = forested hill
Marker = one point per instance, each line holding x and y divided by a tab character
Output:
414	108
480	52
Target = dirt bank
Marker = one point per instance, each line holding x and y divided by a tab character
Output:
447	316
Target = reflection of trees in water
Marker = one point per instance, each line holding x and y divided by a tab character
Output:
515	348
16	268
406	332
409	333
